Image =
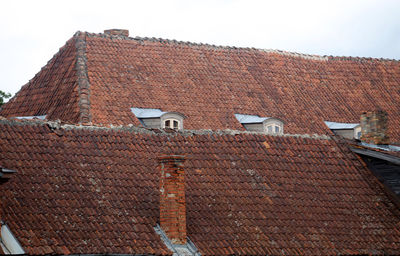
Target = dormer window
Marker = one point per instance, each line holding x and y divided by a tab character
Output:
346	130
254	123
171	123
155	118
273	128
172	120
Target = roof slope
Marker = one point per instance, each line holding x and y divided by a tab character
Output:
95	190
210	84
59	90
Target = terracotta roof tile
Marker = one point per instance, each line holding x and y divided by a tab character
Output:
208	84
52	92
95	190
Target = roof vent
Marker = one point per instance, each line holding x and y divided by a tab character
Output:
117	32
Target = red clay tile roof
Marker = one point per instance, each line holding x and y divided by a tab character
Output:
95	190
208	84
52	92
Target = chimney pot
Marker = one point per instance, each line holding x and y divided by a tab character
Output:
373	127
117	32
172	198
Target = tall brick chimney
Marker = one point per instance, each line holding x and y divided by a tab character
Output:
117	32
172	199
373	127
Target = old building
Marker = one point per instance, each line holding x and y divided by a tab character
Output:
142	146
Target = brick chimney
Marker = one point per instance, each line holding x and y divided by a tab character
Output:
373	127
172	199
117	32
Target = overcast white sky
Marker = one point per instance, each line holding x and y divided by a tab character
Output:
31	32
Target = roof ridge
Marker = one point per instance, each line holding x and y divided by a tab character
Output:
82	76
141	130
212	46
222	47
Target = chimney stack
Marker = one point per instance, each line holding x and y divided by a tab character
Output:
172	199
117	32
373	127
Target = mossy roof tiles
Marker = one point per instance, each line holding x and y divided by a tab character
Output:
97	78
92	190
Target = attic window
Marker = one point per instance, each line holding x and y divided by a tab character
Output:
155	118
273	128
346	130
255	123
8	242
171	123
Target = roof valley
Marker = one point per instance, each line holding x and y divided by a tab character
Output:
83	80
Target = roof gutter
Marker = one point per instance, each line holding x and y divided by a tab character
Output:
379	155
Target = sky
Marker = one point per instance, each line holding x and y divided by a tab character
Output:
31	32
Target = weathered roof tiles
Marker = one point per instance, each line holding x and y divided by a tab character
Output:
208	84
95	190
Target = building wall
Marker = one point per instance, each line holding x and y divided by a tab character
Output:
152	122
348	134
254	127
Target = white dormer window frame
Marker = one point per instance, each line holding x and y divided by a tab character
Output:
171	123
172	120
273	128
